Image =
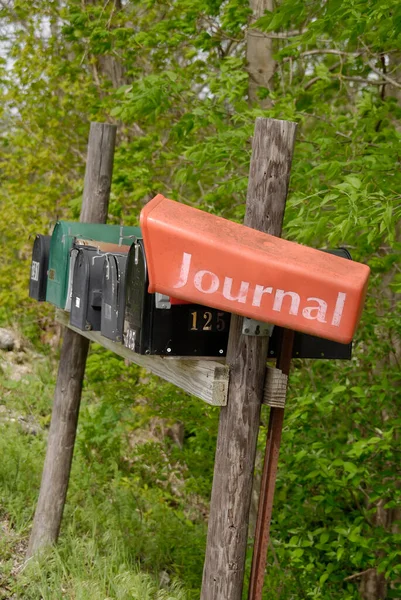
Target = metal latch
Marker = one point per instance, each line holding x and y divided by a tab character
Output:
162	301
252	327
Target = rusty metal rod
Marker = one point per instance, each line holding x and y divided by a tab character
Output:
268	483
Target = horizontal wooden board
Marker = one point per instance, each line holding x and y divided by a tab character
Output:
203	378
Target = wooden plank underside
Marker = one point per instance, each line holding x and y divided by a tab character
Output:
205	379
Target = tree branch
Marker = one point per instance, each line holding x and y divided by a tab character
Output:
323	51
285	36
356	575
384	75
362	79
315	79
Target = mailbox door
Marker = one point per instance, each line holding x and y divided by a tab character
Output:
108	325
189	330
121	264
137	302
94	306
80	287
113	297
86	300
180	330
39	266
73	257
58	265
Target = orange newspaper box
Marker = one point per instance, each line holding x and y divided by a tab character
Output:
201	258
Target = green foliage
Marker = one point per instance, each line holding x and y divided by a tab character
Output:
128	503
173	76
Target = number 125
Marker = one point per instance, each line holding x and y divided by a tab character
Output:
204	321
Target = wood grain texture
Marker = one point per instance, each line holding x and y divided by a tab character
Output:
223	573
203	378
275	390
74	351
98	173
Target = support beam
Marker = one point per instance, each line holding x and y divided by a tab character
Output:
205	378
223	574
67	397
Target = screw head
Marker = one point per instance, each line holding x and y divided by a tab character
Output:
221	351
168	350
246	330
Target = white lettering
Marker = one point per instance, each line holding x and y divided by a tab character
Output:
319	311
35	270
185	266
278	301
214	282
242	294
258	293
338	310
208	282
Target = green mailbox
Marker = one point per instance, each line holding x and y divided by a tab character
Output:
62	241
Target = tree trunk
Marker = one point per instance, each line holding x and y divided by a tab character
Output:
259	55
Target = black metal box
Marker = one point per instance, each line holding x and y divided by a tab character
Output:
86	299
309	346
39	266
155	324
113	296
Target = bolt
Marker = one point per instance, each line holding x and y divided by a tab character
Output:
246	330
221	351
168	349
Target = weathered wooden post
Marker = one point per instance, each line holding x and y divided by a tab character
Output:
223	573
67	397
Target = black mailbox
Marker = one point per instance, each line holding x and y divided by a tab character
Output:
309	346
39	266
113	297
86	298
156	324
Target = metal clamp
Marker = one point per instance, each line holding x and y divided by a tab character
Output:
258	328
134	238
162	301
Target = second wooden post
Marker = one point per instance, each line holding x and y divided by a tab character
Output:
223	574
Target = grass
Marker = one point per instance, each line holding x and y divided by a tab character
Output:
134	524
